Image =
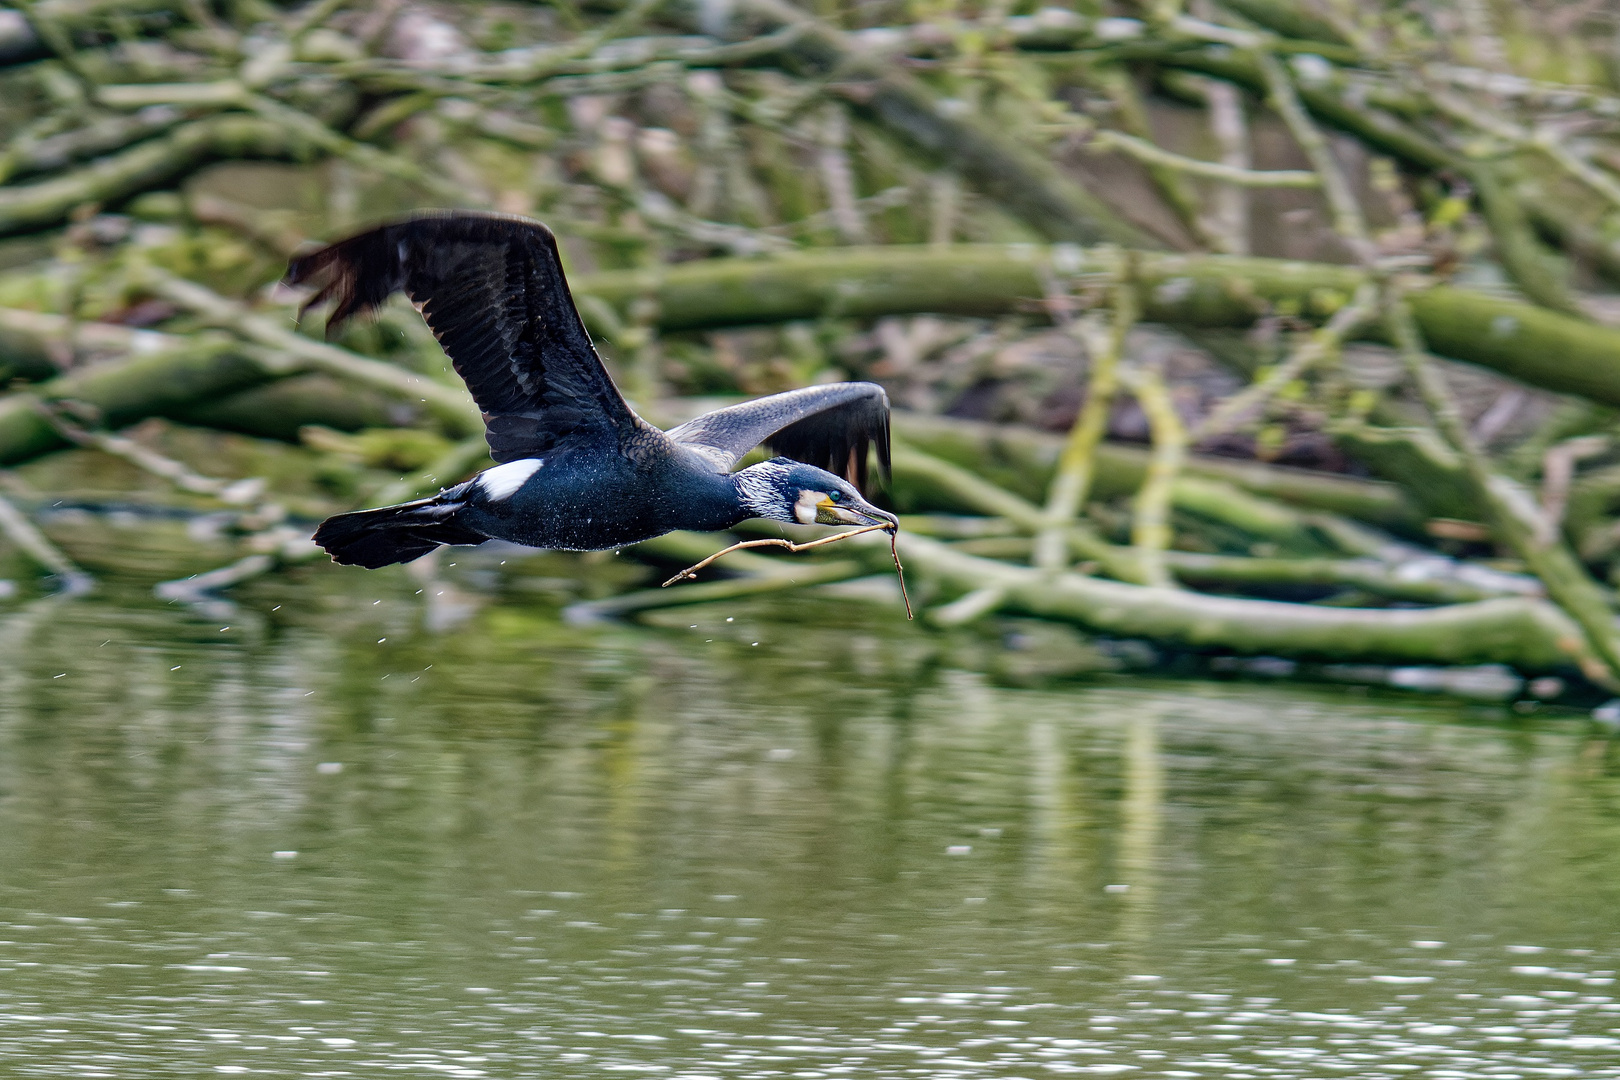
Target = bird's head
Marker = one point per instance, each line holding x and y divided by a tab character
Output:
785	490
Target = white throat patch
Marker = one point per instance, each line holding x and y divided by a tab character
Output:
804	510
503	481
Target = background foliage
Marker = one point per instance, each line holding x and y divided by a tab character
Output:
1248	328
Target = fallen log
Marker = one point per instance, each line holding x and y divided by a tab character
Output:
1022	460
217	382
1525	633
278	409
1540	347
171	380
1433	580
37	345
451	405
922	477
1529	635
147	165
101	136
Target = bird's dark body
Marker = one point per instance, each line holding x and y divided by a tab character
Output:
578	470
582	501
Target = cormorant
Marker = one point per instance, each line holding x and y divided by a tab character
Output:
578	469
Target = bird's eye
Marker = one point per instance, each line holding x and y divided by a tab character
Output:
833	496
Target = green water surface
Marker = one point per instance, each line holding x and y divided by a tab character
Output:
319	840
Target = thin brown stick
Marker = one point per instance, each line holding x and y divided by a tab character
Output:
899	571
774	541
1557	471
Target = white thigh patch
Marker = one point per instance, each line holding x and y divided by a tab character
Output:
502	481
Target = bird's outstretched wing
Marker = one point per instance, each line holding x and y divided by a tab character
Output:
492	289
829	426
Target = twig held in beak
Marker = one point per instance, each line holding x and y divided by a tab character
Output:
899	571
894	551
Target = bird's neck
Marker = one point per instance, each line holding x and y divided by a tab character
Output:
756	493
712	501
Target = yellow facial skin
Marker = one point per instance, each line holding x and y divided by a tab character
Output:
830	513
818	508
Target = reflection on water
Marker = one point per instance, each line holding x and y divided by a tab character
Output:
325	843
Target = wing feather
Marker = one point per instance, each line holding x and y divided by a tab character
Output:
492	289
831	427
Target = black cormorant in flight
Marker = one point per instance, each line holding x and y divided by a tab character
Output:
578	469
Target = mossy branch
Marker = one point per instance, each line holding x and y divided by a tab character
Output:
1149	153
1348	220
151	164
1528	634
454	407
1541	347
1415	577
1072	480
1321	346
1150	524
1512	514
1016	176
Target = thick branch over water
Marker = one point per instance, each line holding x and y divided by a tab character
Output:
1528	634
1541	347
146	165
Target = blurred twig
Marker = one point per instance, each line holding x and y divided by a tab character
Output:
1073	478
1348	220
454	407
1513	516
1150	525
14	524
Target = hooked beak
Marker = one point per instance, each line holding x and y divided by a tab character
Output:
830	513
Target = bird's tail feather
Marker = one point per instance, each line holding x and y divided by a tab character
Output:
392	534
